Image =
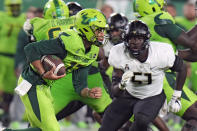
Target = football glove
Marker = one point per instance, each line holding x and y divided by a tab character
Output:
126	77
27	27
175	102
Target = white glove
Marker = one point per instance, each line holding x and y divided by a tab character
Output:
126	77
27	27
175	102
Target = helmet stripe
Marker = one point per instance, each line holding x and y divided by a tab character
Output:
57	7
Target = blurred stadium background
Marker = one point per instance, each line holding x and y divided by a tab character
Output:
125	7
98	3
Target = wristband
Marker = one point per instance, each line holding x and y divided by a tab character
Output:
177	93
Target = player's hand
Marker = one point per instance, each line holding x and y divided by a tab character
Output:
126	77
27	27
51	76
175	102
95	92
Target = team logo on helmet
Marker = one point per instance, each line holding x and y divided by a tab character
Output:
87	20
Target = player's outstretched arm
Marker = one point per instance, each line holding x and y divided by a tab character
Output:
179	37
186	41
180	68
188	55
192	33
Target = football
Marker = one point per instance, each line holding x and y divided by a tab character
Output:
50	61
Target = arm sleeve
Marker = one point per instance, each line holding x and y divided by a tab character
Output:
20	54
35	50
171	31
79	78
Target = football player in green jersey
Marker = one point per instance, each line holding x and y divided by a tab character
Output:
61	98
56	18
41	32
10	24
162	27
188	21
78	49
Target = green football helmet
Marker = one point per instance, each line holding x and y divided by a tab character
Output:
147	7
56	9
88	21
13	7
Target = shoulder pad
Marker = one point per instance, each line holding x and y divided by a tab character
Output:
33	20
115	56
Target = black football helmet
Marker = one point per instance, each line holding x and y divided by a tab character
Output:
74	7
134	29
117	22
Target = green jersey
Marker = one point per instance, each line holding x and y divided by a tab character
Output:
76	54
44	29
193	77
162	27
76	57
9	30
185	22
68	46
188	25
